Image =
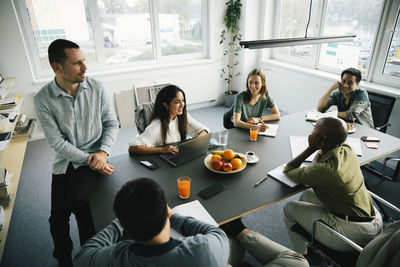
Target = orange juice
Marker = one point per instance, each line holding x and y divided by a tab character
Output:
184	187
253	134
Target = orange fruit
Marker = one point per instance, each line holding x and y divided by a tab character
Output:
215	158
236	163
229	154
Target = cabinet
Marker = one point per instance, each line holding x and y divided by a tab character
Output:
11	158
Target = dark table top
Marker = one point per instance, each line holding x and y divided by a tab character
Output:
240	196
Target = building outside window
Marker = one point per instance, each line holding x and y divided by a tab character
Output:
375	50
116	33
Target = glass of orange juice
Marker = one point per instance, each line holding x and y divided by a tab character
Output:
184	187
253	133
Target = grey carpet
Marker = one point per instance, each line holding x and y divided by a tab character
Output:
29	242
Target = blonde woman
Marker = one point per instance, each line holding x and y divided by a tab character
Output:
250	104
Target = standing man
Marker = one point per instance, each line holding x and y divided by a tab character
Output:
352	102
79	123
338	195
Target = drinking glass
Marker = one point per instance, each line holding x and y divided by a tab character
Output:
253	133
223	137
184	186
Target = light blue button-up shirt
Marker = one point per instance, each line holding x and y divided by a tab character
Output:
76	127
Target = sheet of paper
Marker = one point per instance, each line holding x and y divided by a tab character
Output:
355	145
3	144
278	174
271	131
195	210
315	115
299	143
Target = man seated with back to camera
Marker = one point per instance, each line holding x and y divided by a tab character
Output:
338	195
144	219
352	101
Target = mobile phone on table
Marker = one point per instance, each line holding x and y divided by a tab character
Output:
370	139
212	190
371	145
149	164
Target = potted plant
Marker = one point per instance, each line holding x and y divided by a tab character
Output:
231	34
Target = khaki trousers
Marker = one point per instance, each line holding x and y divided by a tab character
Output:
266	251
309	209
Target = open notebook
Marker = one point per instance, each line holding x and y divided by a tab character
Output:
299	143
316	115
195	210
271	131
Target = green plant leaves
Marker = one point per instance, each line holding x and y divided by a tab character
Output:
231	22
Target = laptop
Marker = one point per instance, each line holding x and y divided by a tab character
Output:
188	150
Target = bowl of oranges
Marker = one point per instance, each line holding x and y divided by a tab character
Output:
225	162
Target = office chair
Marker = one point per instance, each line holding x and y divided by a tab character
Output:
386	188
147	93
227	119
142	116
381	108
338	258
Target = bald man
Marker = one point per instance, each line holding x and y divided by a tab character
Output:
338	195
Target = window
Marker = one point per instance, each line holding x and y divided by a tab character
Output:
293	22
116	33
375	50
392	63
347	17
387	69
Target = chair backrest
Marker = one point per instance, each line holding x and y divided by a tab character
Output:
143	115
147	92
227	119
381	108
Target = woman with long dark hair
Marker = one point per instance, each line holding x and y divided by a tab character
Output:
250	104
170	123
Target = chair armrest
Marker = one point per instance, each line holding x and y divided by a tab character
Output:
336	233
385	165
378	128
384	202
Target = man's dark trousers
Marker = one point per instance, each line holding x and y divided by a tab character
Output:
70	193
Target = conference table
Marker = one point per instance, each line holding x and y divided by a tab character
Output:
240	197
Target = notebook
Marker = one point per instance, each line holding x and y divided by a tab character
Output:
278	174
196	210
316	115
299	143
271	131
188	150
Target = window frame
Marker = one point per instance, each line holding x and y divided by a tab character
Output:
100	66
385	35
381	44
287	58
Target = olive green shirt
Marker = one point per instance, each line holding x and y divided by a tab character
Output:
337	181
247	111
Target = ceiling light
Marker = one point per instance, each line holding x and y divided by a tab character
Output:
295	41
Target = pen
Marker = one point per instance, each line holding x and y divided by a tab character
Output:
262	180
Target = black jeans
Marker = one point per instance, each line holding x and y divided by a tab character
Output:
69	194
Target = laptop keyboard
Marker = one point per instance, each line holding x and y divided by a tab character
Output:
172	156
